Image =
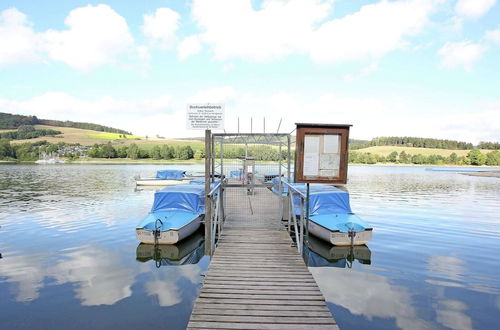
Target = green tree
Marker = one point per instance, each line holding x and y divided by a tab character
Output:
403	157
155	152
453	158
133	151
393	157
108	151
476	157
493	158
166	152
5	149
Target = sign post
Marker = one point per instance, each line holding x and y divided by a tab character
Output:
206	117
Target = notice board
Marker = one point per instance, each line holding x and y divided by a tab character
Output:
321	153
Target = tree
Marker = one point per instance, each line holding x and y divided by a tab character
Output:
155	152
453	158
393	157
476	157
166	152
5	149
403	157
108	151
493	158
133	151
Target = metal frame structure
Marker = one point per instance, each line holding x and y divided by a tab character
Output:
282	140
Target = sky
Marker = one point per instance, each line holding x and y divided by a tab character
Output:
424	68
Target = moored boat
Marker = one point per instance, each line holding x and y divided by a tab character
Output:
177	212
331	217
165	178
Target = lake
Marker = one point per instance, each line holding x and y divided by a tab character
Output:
70	258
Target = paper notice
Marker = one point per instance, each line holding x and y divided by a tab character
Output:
328	173
331	143
311	144
329	162
311	164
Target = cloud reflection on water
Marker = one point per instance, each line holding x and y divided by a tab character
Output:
368	294
101	277
166	285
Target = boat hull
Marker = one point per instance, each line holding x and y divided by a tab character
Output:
170	236
336	237
160	182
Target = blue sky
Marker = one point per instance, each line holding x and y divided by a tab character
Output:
428	68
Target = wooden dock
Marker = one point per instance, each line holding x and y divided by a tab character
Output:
256	278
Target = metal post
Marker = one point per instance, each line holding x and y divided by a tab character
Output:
307	213
208	202
289	157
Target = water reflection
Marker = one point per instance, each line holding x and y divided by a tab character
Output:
370	295
185	252
323	254
26	273
101	276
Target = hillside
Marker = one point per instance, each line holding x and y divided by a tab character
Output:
12	121
87	137
386	150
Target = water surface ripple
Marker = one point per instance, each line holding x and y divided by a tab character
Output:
70	258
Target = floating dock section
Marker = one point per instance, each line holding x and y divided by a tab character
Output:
256	278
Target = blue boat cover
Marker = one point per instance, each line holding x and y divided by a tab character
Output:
170	174
190	198
171	220
324	199
236	174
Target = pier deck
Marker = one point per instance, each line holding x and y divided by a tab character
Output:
256	278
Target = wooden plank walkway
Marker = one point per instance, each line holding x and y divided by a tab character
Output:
256	278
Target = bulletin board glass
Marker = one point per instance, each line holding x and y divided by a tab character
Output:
321	153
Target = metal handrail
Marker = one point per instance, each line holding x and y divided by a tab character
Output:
300	224
218	212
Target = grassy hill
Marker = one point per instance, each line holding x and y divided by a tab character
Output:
386	150
89	137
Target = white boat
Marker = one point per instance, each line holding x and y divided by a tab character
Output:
165	178
177	212
331	217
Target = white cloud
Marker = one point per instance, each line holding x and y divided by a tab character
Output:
161	27
373	31
18	42
189	46
473	8
461	54
493	36
96	35
234	29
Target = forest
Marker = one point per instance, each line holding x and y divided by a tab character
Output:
25	132
10	121
31	151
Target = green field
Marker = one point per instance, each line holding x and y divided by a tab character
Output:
386	150
112	136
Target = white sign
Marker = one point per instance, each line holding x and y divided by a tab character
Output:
205	116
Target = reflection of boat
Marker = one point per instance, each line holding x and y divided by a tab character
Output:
176	213
331	218
185	252
165	178
323	254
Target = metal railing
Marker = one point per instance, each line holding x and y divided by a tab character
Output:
216	221
298	221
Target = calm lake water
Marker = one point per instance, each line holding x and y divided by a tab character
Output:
70	258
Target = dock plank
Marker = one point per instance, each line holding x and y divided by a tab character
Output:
256	278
